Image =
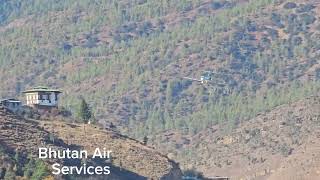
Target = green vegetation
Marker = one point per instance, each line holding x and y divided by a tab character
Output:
193	174
128	57
84	112
40	170
21	166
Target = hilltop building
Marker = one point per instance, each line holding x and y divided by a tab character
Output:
42	97
12	104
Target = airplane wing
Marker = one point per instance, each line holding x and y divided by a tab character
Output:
192	79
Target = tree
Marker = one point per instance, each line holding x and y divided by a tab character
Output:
29	168
193	174
10	174
112	126
84	112
19	163
40	171
145	140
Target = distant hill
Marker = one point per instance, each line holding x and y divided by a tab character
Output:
280	144
22	138
128	57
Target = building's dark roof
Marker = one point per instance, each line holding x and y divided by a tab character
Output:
10	100
42	89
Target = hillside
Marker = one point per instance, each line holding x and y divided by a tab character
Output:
128	57
280	144
132	61
26	136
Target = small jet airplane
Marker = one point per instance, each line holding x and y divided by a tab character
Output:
207	79
204	78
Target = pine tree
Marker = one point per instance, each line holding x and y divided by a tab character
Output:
28	170
40	171
145	140
10	175
84	112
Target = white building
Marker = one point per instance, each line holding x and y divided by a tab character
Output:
42	97
11	104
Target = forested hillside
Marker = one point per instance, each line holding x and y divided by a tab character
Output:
280	144
127	57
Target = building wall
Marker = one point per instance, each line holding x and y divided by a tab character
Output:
13	106
32	98
44	99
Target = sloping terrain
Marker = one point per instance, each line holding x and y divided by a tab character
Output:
128	153
131	159
128	57
280	144
17	133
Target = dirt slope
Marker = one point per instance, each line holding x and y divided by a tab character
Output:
128	153
17	133
130	158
